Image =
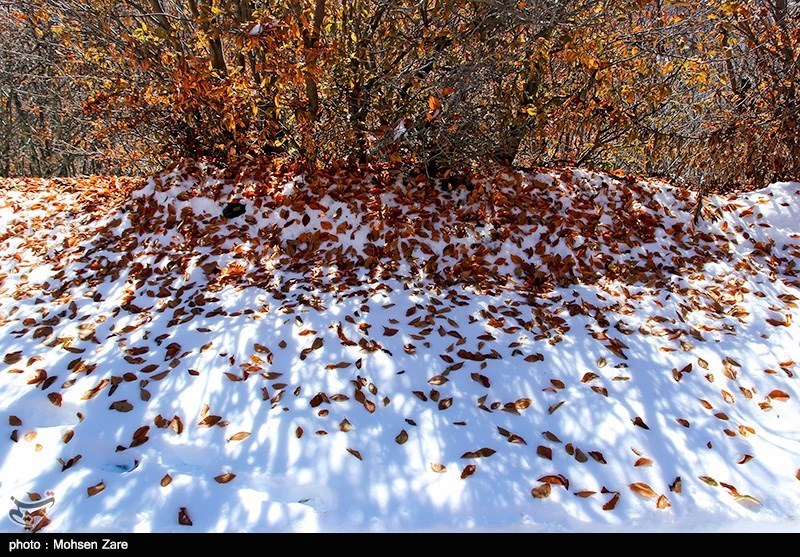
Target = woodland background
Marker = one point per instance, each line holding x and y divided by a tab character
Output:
704	93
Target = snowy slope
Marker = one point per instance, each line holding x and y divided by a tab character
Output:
561	352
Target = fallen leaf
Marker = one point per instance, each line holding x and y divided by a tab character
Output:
345	426
598	456
239	436
121	406
662	502
224	478
209	421
584	494
95	489
355	453
166	480
67	437
551	437
14	421
183	517
643	462
684	423
402	437
642	489
609	506
709	480
778	395
369	405
468	470
544	452
555	407
745	458
445	403
589	376
639	422
298	432
438	468
522	403
555	479
542	491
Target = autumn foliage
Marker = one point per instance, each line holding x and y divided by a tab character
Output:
703	92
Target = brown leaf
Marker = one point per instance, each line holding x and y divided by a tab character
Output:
639	422
438	380
166	480
542	491
14	421
121	406
514	438
209	421
778	395
483	452
555	479
177	425
676	485
555	407
183	517
584	494
420	395
355	453
662	502
642	489
684	423
579	456
522	403
609	506
598	456
551	437
224	478
95	489
12	358
402	437
67	437
544	452
557	383
709	480
438	468
298	432
643	462
345	426
242	435
369	405
589	376
468	470
745	458
389	332
445	403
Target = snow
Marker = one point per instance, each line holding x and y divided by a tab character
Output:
348	348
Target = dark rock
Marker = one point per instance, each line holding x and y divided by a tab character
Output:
233	210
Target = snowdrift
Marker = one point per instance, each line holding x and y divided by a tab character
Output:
555	352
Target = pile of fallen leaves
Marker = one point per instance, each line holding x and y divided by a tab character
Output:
132	252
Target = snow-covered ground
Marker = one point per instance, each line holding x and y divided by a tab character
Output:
562	352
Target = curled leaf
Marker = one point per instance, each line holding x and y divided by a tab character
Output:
542	491
224	478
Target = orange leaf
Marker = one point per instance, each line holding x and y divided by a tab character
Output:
166	480
95	489
224	478
542	491
609	506
662	502
642	489
778	395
